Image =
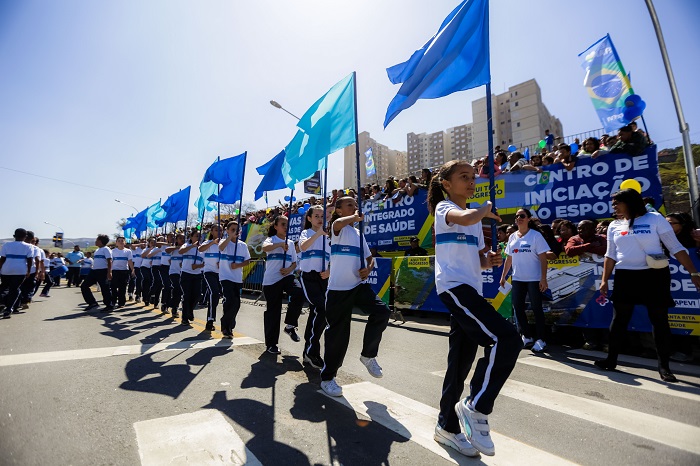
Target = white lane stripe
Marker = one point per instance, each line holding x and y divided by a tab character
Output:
203	437
665	431
416	421
653	363
625	378
93	353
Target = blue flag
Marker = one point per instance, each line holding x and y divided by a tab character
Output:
327	126
206	189
370	169
176	207
229	174
606	82
527	153
154	214
455	59
272	176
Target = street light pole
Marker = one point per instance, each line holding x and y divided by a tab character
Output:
129	205
54	225
276	105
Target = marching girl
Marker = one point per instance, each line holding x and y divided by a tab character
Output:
191	276
473	321
277	280
174	273
157	281
135	282
146	273
210	251
234	256
164	271
347	287
527	253
314	267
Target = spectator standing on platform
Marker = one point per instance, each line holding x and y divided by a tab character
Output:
629	142
641	277
459	238
527	254
548	140
16	260
415	250
73	259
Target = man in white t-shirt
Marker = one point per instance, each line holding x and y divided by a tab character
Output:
16	260
36	273
101	274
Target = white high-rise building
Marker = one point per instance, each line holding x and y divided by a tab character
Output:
388	162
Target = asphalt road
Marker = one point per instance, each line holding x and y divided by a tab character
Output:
134	387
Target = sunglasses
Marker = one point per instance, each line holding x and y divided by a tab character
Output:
521	216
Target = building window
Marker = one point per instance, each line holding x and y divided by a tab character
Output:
516	104
517	124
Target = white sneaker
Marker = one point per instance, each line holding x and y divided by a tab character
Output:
528	342
331	387
476	426
372	366
457	442
539	346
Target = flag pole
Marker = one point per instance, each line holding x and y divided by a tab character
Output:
357	167
286	233
492	156
325	200
240	208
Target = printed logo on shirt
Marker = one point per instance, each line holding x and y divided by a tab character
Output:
461	238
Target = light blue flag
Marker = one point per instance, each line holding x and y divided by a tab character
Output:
272	176
455	59
206	189
175	207
327	126
229	174
154	214
607	83
370	169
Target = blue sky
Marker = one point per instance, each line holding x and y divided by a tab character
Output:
137	98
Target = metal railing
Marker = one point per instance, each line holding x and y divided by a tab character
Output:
253	276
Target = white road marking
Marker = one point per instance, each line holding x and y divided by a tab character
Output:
416	421
93	353
623	377
203	437
652	363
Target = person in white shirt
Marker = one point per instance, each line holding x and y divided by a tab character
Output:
85	267
146	272
212	257
459	240
351	264
122	270
157	281
28	286
279	279
45	265
527	253
191	276
234	256
101	274
164	271
54	274
634	239
174	271
16	260
314	267
135	280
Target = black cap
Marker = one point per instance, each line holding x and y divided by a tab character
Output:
413	238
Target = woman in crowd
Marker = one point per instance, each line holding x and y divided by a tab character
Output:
136	280
459	240
174	271
146	272
590	145
527	254
641	277
212	256
314	267
347	287
565	230
85	267
278	280
191	276
234	256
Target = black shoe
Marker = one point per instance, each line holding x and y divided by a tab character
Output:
605	364
314	361
228	335
667	375
273	350
108	309
164	308
292	332
92	306
6	315
185	322
175	314
210	326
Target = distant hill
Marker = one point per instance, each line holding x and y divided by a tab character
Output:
47	243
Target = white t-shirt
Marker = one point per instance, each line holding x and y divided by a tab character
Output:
273	264
457	256
312	258
121	258
100	258
146	261
345	256
16	254
227	258
56	262
164	257
175	262
189	259
211	256
47	262
136	256
86	263
630	248
524	252
36	253
155	258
